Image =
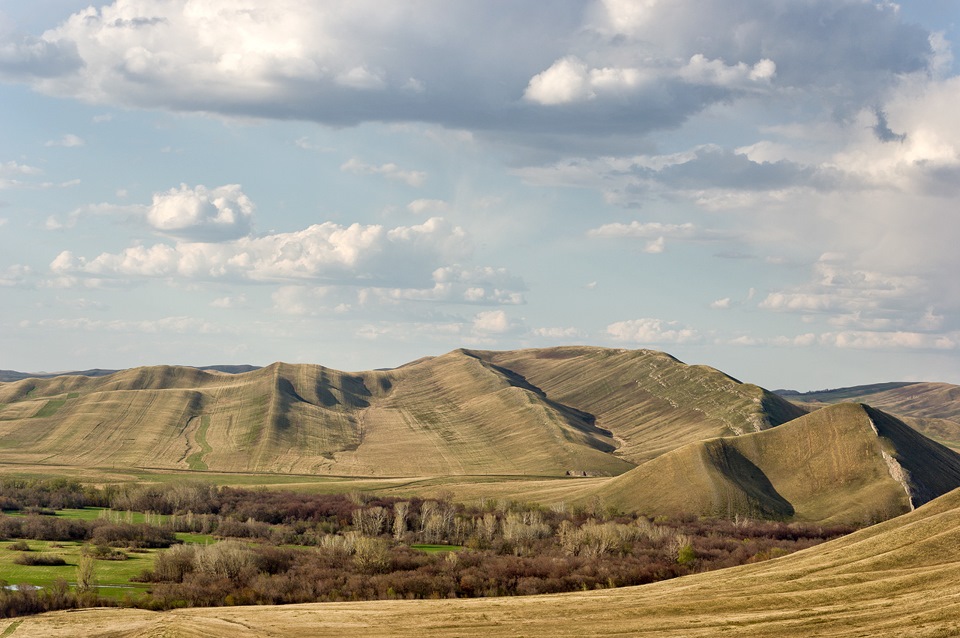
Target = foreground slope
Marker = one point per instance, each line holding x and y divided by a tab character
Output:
896	578
651	401
930	408
847	462
453	414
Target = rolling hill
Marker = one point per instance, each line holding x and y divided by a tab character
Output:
895	578
847	462
584	411
930	408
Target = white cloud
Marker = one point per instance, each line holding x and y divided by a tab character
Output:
701	70
13	168
647	230
890	340
491	322
478	285
11	174
656	246
200	213
229	302
371	254
559	333
721	304
67	141
651	331
176	325
420	206
390	171
15	275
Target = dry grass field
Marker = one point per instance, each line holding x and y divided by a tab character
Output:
896	578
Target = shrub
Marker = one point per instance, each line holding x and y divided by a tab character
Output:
42	560
19	546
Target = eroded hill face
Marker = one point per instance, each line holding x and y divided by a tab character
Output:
848	462
650	401
584	411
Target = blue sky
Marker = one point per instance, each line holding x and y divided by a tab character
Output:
765	186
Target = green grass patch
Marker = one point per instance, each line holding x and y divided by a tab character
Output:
197	539
195	460
73	395
113	576
49	408
12	627
436	549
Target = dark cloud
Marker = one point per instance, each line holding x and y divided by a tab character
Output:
26	57
469	64
882	129
719	168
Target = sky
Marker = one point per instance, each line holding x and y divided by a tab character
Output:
768	187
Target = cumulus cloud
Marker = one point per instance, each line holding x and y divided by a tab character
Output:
491	322
369	254
651	331
201	213
390	171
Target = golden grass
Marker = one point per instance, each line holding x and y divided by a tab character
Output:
826	466
896	578
649	400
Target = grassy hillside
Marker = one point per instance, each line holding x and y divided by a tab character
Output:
447	415
649	400
896	578
930	408
847	462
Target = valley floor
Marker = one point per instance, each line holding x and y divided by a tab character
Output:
895	578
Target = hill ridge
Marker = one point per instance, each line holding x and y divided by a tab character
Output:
848	462
467	411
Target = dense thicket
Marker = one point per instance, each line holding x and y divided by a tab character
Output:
287	547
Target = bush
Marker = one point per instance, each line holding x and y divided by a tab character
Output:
19	546
43	560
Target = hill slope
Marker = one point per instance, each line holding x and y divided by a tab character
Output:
649	400
452	414
847	462
589	411
930	408
896	578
